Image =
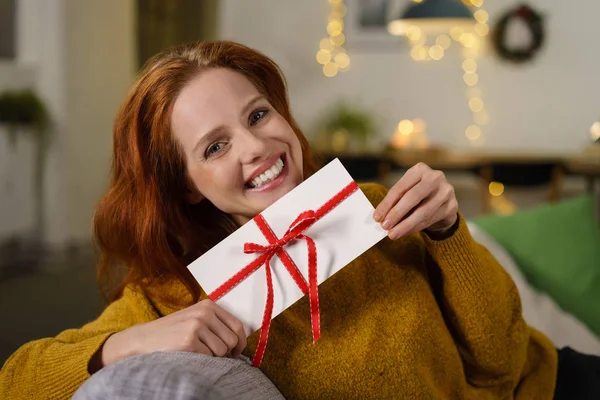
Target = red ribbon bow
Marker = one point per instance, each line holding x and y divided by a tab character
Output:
276	247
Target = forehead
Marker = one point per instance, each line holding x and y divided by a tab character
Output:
215	84
214	94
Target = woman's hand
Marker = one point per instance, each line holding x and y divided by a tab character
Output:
202	328
421	200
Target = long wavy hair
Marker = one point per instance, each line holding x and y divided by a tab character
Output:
146	231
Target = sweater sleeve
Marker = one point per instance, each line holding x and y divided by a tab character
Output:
54	368
482	307
480	304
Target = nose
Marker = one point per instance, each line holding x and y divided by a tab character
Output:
252	147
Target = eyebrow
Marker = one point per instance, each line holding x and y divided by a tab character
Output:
221	128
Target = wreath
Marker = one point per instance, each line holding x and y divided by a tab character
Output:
535	24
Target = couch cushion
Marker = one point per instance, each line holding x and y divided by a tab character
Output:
540	309
557	248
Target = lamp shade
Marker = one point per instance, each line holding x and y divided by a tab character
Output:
432	15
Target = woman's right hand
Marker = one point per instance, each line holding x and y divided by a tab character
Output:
204	328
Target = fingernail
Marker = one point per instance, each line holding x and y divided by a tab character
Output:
386	224
393	235
377	217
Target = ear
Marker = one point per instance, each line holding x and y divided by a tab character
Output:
193	196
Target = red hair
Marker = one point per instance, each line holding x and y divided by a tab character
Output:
145	229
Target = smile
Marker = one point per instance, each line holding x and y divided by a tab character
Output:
268	175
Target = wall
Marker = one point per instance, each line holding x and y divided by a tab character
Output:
80	57
548	105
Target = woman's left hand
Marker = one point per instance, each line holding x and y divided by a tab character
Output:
421	200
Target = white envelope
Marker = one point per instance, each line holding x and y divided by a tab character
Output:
340	236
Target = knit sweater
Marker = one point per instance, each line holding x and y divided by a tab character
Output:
413	318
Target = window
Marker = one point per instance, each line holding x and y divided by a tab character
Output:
163	23
8	16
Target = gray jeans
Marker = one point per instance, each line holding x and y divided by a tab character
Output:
178	376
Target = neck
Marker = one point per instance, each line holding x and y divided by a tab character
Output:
240	219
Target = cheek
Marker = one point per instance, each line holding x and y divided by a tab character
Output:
296	149
214	178
203	179
298	155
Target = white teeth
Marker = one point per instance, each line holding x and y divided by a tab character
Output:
268	175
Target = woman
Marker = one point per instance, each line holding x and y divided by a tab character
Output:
426	313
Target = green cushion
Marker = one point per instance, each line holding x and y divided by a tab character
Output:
557	248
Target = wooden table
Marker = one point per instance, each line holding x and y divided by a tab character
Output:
588	167
482	163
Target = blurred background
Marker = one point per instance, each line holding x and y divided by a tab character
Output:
504	97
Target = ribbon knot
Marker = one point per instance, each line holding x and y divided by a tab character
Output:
276	247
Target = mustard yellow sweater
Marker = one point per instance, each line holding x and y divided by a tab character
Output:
414	318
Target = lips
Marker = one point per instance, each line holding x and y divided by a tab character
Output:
266	172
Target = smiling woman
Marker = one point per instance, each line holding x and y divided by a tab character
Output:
221	109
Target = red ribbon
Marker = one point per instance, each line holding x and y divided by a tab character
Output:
276	247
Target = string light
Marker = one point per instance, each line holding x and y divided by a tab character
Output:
410	133
471	43
444	41
476	104
325	44
481	118
467	39
338	40
496	188
335	27
482	29
473	132
471	79
323	56
436	52
481	16
456	33
419	53
413	33
330	69
595	131
469	66
406	127
331	53
342	60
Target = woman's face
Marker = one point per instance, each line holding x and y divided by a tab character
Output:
240	153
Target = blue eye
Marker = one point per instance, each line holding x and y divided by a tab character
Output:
214	148
257	116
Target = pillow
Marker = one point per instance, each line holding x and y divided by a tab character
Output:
178	376
539	309
557	247
597	202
